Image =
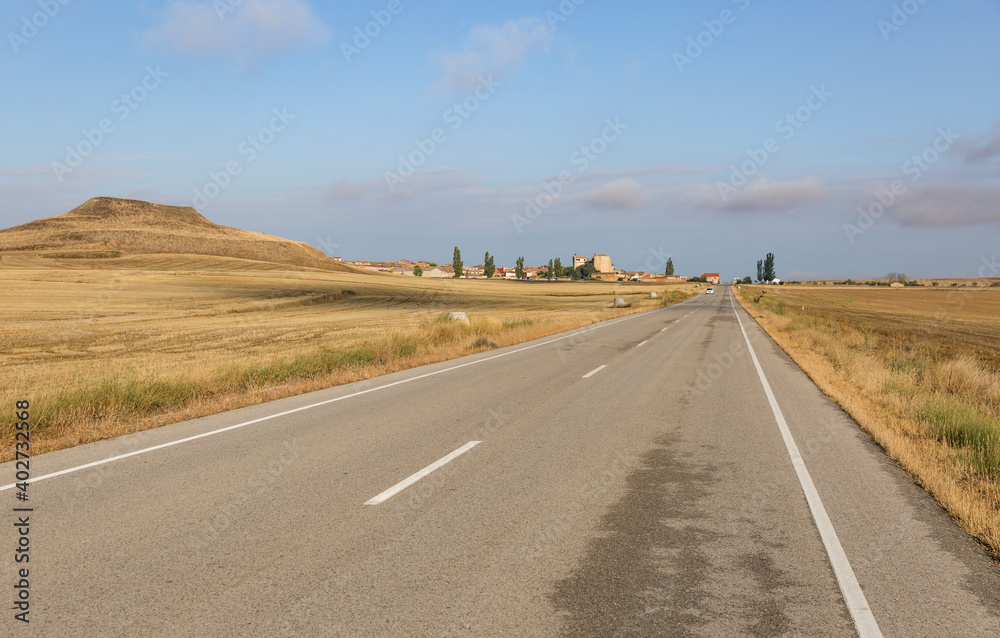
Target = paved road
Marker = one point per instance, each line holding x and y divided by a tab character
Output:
632	479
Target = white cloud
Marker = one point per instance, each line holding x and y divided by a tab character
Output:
946	204
656	172
346	190
31	170
981	150
245	31
761	195
85	173
430	184
493	50
622	193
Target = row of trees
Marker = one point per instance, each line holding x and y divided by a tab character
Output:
553	270
456	263
765	269
489	265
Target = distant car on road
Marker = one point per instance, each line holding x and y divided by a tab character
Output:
710	291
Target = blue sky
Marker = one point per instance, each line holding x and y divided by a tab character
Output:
711	132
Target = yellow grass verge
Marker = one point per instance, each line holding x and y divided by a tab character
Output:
930	398
100	351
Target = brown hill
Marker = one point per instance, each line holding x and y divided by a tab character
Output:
106	226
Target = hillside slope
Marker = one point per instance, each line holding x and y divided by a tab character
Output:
105	224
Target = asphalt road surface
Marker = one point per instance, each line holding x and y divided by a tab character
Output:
633	478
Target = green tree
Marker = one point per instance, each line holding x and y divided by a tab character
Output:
670	267
586	270
489	267
560	271
550	271
418	271
769	268
519	268
748	280
456	263
760	270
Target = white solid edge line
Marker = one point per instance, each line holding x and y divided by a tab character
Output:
407	482
857	604
642	344
593	372
574	333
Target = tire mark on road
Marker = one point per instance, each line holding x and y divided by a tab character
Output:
643	575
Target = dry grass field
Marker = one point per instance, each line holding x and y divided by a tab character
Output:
106	346
918	368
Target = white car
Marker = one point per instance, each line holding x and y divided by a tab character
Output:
710	291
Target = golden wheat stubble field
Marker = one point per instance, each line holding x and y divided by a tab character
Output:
104	347
918	369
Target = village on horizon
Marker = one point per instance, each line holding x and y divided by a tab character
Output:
599	266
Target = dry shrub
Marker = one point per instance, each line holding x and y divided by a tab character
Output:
934	408
483	341
963	376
